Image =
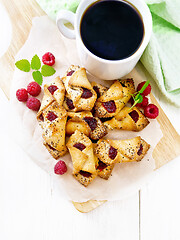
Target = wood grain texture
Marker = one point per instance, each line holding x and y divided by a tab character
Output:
168	147
85	207
21	14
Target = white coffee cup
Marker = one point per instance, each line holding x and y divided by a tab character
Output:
99	67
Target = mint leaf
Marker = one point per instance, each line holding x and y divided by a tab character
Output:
133	105
37	77
23	65
144	86
136	97
140	99
35	62
47	70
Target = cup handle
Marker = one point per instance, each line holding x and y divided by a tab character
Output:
62	16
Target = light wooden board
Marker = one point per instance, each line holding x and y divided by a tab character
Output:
21	14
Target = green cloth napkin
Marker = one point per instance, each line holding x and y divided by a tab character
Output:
161	58
51	7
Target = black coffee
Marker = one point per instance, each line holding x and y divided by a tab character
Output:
112	29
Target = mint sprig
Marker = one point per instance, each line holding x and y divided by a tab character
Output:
137	97
35	65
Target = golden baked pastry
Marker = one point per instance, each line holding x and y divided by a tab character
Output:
144	147
86	123
54	91
53	125
130	150
109	152
106	152
84	162
126	119
52	118
80	95
114	99
104	170
99	89
107	156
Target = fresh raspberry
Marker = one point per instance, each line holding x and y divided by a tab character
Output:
22	95
33	89
48	59
144	103
33	104
151	111
146	91
60	167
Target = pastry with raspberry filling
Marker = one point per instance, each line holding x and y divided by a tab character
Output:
80	95
82	154
86	123
109	152
107	156
54	91
114	99
53	125
99	89
126	119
